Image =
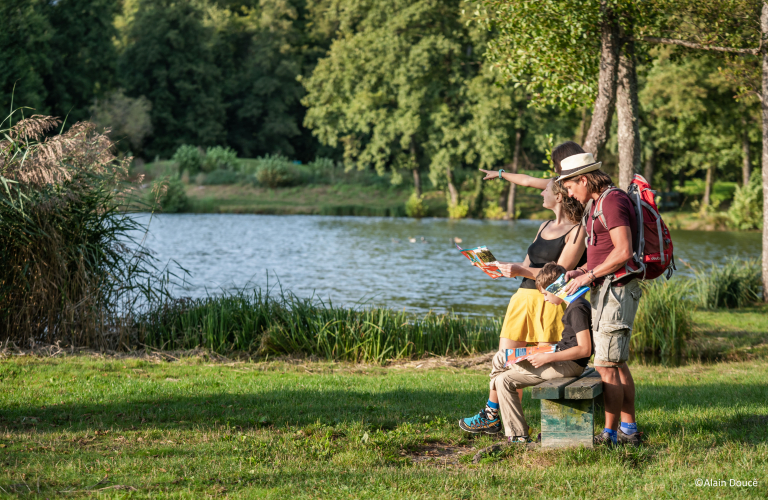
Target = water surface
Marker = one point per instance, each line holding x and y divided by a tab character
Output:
350	260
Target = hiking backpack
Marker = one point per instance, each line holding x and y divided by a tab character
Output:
653	243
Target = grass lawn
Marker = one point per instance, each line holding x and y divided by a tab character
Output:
80	425
732	333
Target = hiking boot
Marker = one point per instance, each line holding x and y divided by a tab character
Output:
603	439
634	439
481	423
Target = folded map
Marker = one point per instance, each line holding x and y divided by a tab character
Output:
521	353
482	258
558	289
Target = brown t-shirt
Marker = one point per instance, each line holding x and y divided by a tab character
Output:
618	211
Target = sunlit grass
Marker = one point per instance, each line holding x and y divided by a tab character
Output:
191	429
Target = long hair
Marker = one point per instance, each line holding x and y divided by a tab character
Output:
597	181
572	209
563	151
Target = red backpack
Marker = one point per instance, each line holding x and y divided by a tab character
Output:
653	243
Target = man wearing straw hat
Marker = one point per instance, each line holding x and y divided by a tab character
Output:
611	226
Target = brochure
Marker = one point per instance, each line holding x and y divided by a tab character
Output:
558	289
521	353
482	258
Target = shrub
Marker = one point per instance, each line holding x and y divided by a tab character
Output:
746	211
218	177
736	283
169	193
414	207
458	211
188	158
494	212
663	325
275	171
219	158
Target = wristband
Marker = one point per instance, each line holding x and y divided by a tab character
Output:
592	272
500	172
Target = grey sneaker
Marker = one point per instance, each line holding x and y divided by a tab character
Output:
634	439
603	439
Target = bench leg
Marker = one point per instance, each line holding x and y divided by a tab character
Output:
567	422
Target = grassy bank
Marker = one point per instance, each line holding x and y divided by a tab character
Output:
80	426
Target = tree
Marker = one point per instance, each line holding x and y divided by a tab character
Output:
82	55
24	56
169	59
393	76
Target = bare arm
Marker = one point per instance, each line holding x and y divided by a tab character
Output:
573	251
519	179
513	269
583	350
621	237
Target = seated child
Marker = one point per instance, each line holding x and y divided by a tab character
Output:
570	359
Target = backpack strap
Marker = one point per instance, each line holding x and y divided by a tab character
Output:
598	214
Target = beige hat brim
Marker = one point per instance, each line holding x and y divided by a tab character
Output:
579	171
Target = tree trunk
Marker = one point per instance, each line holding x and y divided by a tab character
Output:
417	182
583	126
602	113
708	187
745	165
764	106
451	187
513	186
416	176
627	113
648	170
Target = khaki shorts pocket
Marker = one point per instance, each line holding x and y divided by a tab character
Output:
611	347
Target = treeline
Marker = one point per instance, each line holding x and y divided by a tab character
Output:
414	87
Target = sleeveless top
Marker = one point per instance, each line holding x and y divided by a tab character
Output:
544	251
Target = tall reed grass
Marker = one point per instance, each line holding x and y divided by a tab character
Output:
255	321
735	283
663	327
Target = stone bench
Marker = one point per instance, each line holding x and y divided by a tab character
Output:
568	409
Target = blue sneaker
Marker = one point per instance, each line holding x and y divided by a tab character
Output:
481	423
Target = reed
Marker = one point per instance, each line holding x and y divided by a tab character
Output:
255	321
663	327
733	284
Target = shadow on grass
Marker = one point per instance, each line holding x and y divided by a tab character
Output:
706	409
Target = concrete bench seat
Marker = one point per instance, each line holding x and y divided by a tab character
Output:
568	409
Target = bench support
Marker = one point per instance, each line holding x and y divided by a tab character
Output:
567	422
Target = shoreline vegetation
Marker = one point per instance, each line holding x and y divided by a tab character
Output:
326	188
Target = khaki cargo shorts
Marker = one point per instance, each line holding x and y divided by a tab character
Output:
613	328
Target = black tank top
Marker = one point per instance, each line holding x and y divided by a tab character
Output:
543	251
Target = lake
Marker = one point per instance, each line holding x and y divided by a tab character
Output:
371	260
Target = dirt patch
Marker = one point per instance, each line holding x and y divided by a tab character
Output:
439	454
477	361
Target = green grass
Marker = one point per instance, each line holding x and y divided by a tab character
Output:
732	333
194	429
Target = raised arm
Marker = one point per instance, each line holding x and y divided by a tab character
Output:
519	179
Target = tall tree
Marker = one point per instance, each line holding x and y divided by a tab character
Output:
24	55
395	67
82	54
168	58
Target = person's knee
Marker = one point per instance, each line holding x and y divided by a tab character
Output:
608	374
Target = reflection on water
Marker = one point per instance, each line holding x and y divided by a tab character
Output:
372	259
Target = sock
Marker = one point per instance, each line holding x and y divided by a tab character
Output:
613	435
629	429
491	409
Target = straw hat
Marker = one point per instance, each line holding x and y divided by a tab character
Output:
577	164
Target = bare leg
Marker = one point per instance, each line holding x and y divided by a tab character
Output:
613	395
628	384
505	343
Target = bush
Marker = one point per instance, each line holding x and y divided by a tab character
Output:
746	211
219	158
494	212
169	193
458	211
276	171
188	158
736	283
414	207
663	325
